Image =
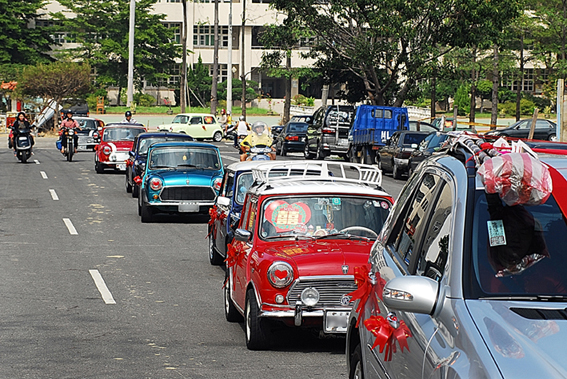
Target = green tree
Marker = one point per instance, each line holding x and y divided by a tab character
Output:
387	44
199	82
251	89
101	29
462	100
20	43
54	81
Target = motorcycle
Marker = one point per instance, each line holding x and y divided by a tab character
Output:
68	142
259	153
23	143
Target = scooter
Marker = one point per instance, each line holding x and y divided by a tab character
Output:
23	143
259	153
68	142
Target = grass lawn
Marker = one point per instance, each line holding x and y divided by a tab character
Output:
176	110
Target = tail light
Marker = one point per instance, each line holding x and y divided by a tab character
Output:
217	184
106	150
328	131
156	184
292	138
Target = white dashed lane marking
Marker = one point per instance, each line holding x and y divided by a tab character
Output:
70	226
43	174
53	194
102	288
36	161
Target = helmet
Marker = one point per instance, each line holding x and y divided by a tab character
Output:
128	114
223	111
259	124
241	118
69	112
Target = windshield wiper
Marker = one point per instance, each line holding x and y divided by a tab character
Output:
295	236
162	167
550	298
186	165
344	235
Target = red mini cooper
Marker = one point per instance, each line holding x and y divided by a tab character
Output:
299	241
115	142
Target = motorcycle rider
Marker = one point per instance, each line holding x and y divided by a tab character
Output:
69	123
128	118
259	136
241	130
21	124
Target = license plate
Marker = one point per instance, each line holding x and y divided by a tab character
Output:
188	207
82	148
23	138
336	321
121	167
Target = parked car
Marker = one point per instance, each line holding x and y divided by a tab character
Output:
228	206
298	241
328	134
276	129
452	293
180	177
448	125
200	126
89	126
136	162
423	126
544	130
79	107
114	142
431	144
394	155
291	138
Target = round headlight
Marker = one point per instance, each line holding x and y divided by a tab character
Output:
280	274
106	150
156	184
310	296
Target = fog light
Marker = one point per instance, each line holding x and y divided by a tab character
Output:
156	196
279	299
310	296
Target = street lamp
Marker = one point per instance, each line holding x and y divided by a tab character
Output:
229	63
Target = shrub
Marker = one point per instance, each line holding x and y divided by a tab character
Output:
299	99
509	108
310	101
462	100
144	100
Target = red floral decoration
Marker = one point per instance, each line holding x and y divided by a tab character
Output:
214	215
386	335
365	283
234	253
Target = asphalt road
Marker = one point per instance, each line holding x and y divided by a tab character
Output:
121	299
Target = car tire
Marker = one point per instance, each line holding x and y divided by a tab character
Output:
256	329
306	153
379	162
98	168
214	257
146	213
277	150
128	185
552	137
396	174
230	312
217	136
356	364
135	190
139	205
321	155
283	152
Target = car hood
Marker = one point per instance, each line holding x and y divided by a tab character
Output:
526	339
323	257
185	177
120	145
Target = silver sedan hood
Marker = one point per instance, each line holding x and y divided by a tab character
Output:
526	339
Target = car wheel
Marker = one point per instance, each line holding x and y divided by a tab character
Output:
284	151
356	364
139	205
135	190
214	257
230	312
128	185
321	154
396	174
256	328
217	137
553	137
277	150
306	153
147	213
379	161
98	167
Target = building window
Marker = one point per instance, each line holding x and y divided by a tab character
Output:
176	26
223	72
204	35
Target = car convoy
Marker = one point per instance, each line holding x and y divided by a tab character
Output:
464	276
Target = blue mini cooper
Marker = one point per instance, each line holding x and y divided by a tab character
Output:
179	177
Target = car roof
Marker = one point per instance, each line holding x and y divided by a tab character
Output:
162	134
312	187
194	114
249	165
182	143
124	125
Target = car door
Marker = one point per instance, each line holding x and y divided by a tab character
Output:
194	127
542	130
418	242
387	152
313	130
521	129
224	221
240	270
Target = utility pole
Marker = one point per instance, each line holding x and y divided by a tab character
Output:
130	90
242	66
229	63
214	98
183	81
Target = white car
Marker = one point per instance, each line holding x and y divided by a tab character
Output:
198	125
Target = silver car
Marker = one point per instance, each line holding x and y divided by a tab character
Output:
459	286
88	126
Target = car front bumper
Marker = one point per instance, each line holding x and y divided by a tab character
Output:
332	320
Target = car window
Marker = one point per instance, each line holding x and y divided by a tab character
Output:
377	113
145	143
209	120
423	144
387	113
410	138
297	128
195	120
251	219
434	250
180	120
526	124
245	180
227	184
121	134
184	157
411	223
87	124
542	124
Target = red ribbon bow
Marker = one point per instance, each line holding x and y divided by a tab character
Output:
364	284
234	253
214	215
386	335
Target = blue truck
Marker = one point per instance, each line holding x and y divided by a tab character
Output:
372	126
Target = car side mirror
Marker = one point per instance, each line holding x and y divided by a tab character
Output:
132	154
225	201
242	235
417	294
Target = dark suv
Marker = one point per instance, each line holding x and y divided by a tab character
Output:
328	133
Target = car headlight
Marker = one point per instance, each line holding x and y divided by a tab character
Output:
106	150
280	274
310	296
217	184
156	184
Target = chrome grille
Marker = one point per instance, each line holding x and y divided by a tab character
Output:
188	193
330	290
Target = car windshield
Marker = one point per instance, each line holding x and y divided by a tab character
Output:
518	250
184	157
323	216
121	134
145	143
410	138
87	124
180	119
